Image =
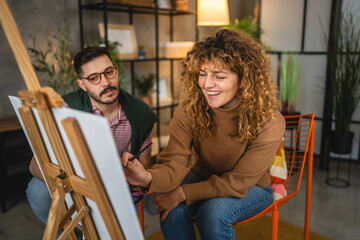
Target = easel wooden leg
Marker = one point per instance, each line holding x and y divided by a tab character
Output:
55	220
43	99
67	216
79	216
56	208
88	167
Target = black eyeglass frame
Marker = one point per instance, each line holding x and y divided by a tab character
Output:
104	73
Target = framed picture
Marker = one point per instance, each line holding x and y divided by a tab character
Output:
164	3
125	35
164	93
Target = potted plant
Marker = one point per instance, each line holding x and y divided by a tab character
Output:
250	26
115	57
55	64
289	89
144	87
247	25
345	82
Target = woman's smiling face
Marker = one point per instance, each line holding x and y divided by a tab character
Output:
219	86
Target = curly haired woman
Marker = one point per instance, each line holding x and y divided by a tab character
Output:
229	115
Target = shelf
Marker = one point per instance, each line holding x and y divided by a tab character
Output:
166	106
151	59
160	132
166	103
117	7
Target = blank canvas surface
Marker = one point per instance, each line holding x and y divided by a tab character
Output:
100	141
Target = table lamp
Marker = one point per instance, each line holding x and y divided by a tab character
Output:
213	12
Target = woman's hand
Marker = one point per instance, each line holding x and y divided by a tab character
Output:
168	201
135	171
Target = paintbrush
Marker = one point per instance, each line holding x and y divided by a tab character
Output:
138	154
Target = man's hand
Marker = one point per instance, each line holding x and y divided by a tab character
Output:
135	171
168	201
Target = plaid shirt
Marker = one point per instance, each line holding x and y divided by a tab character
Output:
121	129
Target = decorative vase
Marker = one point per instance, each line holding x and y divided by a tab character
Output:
288	109
341	143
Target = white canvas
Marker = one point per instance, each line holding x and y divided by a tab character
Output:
100	141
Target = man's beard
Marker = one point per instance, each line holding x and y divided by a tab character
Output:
97	98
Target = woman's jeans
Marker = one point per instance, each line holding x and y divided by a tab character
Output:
214	217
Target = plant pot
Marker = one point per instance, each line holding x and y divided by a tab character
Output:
291	122
341	143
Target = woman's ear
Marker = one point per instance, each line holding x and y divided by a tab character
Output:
81	84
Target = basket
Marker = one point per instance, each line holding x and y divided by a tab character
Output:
143	3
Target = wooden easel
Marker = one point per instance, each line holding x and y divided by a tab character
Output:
60	179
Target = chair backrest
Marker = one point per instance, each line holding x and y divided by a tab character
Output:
297	140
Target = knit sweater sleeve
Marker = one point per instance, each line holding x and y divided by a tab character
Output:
173	163
249	170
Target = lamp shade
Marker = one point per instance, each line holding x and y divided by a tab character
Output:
213	12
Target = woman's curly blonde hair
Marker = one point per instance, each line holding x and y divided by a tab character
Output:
257	94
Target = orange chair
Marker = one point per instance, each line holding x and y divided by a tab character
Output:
141	214
298	144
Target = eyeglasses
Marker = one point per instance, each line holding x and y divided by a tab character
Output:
95	78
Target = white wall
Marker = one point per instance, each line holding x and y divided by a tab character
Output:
38	18
281	21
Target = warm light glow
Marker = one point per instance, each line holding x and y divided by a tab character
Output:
213	12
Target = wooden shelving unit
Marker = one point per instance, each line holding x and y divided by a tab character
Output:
104	7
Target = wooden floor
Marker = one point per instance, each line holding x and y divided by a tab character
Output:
334	211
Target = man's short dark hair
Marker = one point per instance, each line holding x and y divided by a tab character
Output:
86	55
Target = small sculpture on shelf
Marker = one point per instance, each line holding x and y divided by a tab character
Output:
141	52
144	87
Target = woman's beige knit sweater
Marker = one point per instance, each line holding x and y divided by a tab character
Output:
231	168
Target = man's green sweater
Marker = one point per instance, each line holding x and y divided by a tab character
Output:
140	116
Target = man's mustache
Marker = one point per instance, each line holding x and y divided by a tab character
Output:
106	89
